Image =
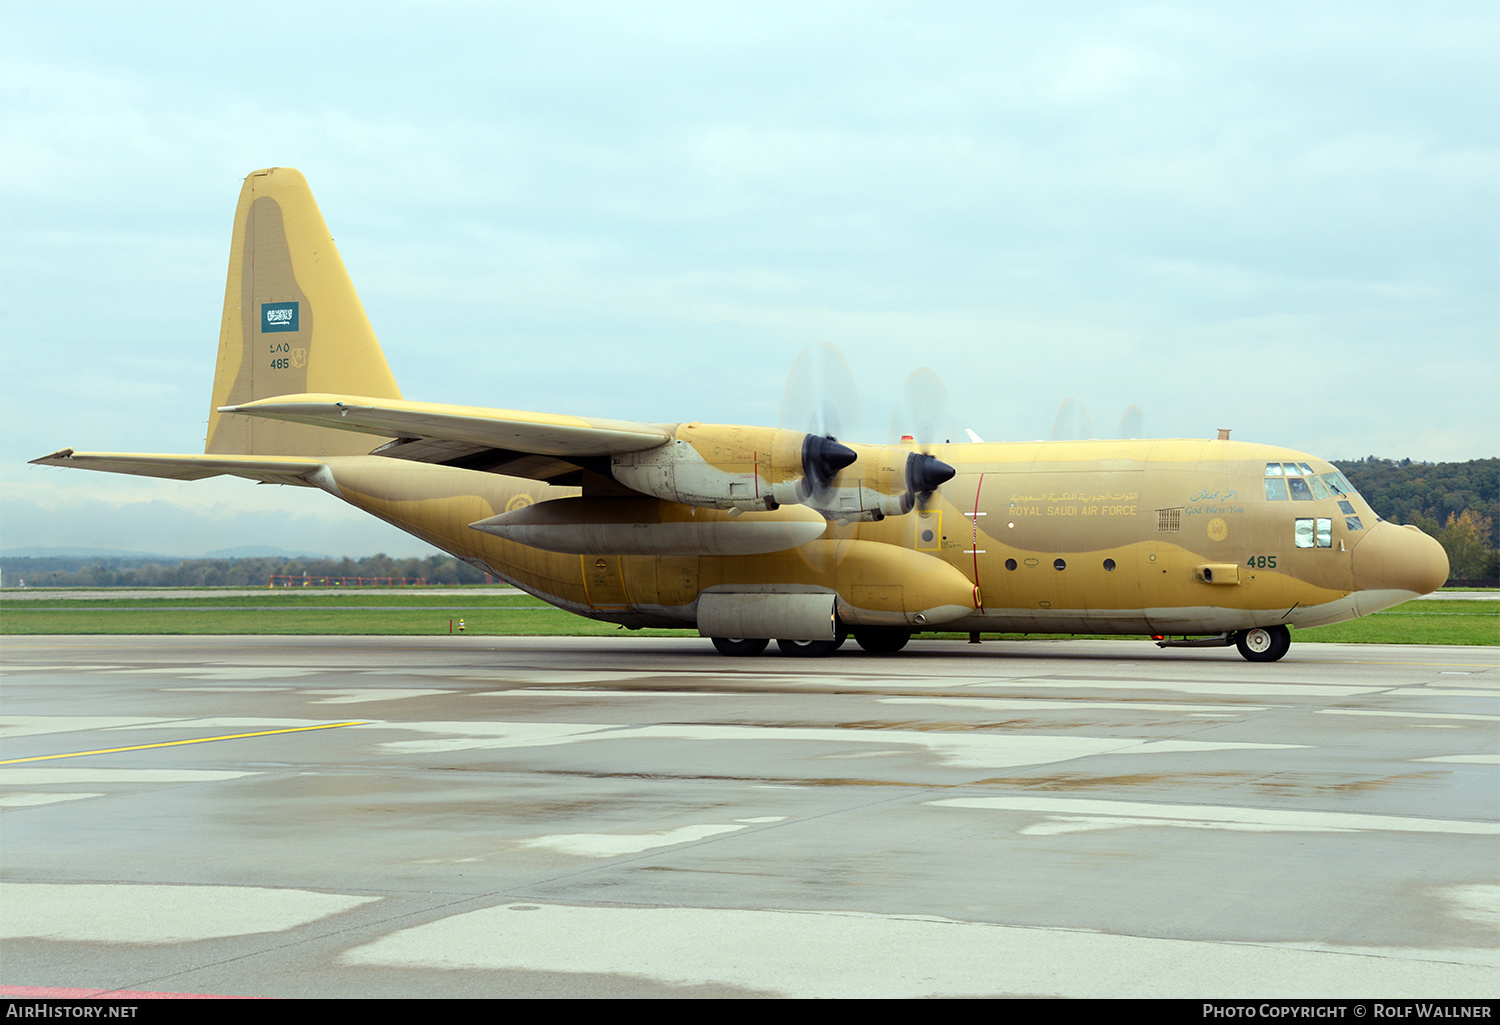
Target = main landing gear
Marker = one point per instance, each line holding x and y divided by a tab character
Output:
874	640
1263	643
881	642
740	646
810	649
1260	644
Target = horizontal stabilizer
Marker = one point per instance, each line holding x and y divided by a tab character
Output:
266	469
503	440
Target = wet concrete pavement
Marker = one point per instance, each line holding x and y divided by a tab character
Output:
598	816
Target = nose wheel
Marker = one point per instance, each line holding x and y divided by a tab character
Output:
1264	643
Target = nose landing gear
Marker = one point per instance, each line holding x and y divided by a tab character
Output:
1263	643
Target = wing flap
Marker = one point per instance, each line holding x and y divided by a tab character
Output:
470	428
265	469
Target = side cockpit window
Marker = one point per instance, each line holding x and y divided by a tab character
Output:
1339	485
1314	532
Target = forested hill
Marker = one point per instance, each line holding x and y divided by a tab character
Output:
1407	492
1457	503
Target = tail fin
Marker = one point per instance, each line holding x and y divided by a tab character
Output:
292	324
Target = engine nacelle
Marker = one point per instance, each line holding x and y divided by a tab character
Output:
720	466
885	481
729	467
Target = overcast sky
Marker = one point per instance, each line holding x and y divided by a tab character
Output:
1278	218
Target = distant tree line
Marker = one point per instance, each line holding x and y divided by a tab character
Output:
1457	503
62	571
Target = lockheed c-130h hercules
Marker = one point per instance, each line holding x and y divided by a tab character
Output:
756	533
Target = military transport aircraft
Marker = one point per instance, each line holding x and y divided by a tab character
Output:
758	533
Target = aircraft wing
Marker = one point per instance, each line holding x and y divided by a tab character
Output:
265	469
542	446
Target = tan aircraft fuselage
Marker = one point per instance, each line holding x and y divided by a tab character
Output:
1144	537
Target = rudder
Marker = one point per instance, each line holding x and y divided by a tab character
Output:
292	324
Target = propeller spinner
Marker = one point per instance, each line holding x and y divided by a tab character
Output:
821	399
822	459
925	402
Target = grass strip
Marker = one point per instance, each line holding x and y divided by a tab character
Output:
406	614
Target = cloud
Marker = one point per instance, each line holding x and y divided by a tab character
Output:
1277	215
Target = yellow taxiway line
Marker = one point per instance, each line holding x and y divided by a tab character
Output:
176	743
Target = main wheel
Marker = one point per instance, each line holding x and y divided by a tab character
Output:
810	649
1264	643
879	641
738	646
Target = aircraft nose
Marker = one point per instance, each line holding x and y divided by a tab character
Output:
1392	558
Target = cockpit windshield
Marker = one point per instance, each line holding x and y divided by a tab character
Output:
1297	482
1338	484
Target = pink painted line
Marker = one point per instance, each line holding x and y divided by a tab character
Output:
63	993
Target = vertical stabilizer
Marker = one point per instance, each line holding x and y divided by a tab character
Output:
292	324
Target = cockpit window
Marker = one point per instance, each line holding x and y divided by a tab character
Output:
1337	483
1300	483
1275	483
